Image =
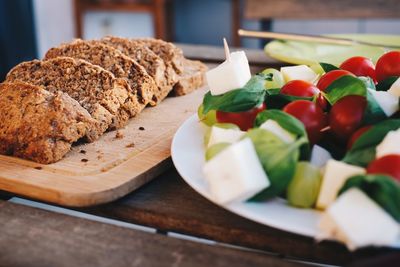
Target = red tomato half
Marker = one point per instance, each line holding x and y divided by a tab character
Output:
360	66
356	135
244	119
311	115
389	164
331	76
299	88
346	115
388	65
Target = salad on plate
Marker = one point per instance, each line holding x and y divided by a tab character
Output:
323	137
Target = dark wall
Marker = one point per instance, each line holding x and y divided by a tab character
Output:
17	34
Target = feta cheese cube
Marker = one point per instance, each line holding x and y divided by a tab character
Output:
358	221
231	74
335	175
221	135
300	72
389	145
275	128
388	102
235	174
395	88
319	156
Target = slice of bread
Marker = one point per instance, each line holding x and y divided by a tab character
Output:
164	76
191	79
39	125
97	90
142	86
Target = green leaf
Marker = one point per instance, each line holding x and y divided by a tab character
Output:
373	112
344	86
364	149
287	122
369	83
242	99
278	101
386	84
277	158
328	67
384	190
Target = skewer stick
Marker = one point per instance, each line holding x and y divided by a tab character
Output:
227	53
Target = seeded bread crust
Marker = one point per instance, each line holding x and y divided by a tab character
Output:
97	90
191	79
39	125
154	65
142	86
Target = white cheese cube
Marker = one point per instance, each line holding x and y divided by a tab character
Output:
358	221
275	128
221	135
231	74
335	175
235	174
389	145
300	72
319	156
388	103
395	88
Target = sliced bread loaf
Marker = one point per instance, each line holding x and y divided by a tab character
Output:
191	79
163	75
97	90
142	86
39	125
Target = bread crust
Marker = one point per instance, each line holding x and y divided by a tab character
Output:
38	125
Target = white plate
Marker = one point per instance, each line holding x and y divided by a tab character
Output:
188	156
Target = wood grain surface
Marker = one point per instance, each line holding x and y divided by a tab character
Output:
169	204
117	163
316	9
33	237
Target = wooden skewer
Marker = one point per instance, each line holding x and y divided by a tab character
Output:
227	53
308	38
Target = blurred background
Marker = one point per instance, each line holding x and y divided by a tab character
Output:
28	28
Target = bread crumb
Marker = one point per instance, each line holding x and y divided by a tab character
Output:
119	135
82	151
130	145
141	128
38	168
84	160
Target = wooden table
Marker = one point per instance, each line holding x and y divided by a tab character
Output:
34	237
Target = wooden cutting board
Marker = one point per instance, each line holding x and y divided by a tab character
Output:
116	164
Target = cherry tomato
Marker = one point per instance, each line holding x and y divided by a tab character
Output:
389	165
360	66
299	88
331	76
322	102
388	65
354	137
244	119
311	115
346	115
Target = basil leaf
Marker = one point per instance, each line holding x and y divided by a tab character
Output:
278	101
285	120
344	86
384	190
328	67
289	123
386	84
369	83
364	149
277	158
373	112
241	99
